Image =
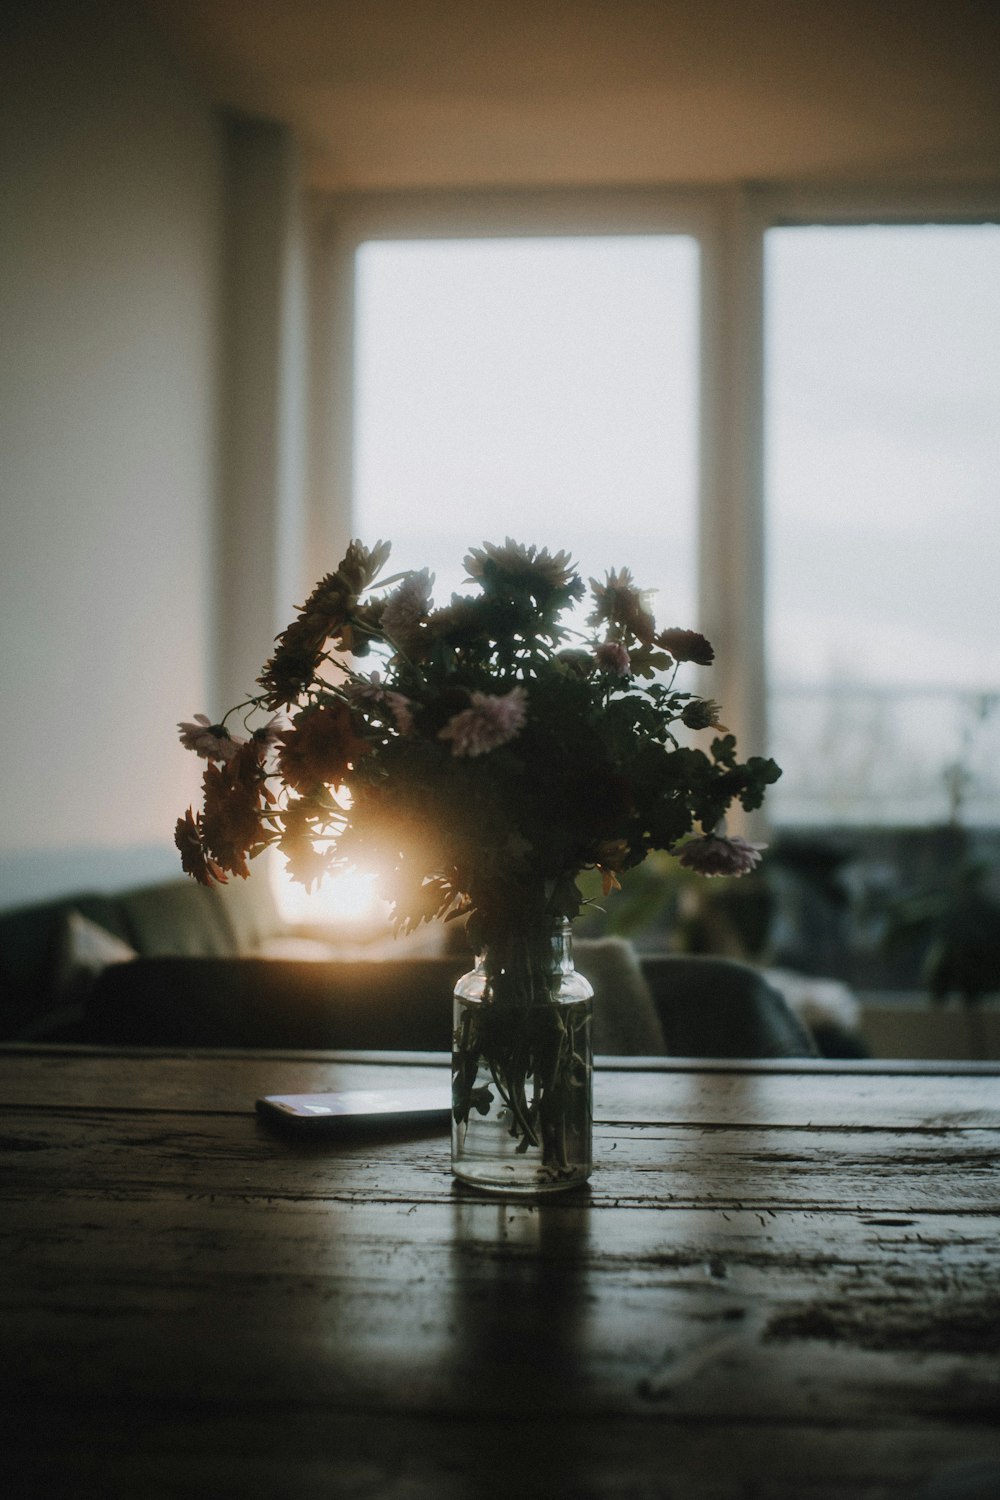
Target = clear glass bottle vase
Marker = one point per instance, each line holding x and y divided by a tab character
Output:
522	1066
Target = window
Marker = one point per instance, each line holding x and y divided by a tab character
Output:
542	388
779	409
882	444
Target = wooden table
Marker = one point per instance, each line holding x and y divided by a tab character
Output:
781	1282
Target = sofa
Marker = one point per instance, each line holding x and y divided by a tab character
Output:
175	964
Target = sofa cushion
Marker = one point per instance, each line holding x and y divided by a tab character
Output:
395	1005
179	919
85	951
251	910
719	1007
259	1002
828	1010
32	940
626	1023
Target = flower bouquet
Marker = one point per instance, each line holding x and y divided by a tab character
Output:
479	756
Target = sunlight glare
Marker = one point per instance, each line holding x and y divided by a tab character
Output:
347	900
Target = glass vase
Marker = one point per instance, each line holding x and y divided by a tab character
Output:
522	1067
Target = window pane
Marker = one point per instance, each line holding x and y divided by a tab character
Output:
883	483
544	389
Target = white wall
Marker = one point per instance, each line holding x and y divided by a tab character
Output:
111	202
260	575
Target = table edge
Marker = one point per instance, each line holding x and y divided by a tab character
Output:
603	1063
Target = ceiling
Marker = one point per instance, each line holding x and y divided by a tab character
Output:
457	93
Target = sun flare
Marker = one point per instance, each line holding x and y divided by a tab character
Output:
347	900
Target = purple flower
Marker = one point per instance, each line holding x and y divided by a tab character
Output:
489	722
611	656
716	854
210	741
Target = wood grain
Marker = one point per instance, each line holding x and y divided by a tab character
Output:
749	1300
652	1093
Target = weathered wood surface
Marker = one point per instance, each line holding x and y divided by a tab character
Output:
793	1094
750	1300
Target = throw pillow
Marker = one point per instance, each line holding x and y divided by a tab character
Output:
626	1023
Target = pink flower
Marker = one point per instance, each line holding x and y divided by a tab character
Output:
716	854
366	689
372	692
611	656
489	722
402	711
210	741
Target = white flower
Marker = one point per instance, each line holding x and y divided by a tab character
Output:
408	605
618	601
490	721
268	735
528	565
210	741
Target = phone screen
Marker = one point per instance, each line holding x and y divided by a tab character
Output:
355	1110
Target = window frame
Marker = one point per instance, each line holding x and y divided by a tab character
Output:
729	224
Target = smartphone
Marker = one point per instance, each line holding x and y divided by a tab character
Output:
355	1111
